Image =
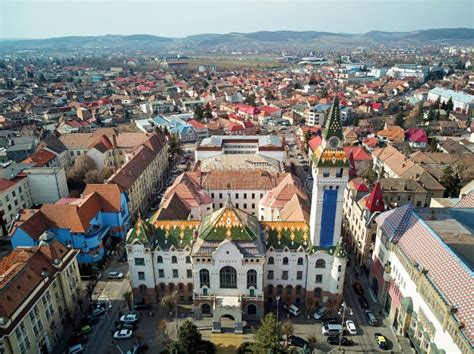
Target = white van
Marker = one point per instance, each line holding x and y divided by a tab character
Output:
331	329
294	310
321	312
78	348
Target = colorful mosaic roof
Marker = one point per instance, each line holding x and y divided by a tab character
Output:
230	223
142	232
330	157
333	124
286	234
177	233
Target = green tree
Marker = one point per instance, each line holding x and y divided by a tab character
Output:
189	337
267	337
449	104
431	115
451	181
370	175
399	119
199	112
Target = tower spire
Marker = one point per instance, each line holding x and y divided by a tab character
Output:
333	124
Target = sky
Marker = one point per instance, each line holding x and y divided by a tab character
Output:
180	18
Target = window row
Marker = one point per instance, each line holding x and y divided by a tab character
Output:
320	263
227	278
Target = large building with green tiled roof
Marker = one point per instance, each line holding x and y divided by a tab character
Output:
229	257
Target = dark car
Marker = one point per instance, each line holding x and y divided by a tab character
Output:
363	302
77	340
142	306
334	340
358	288
331	320
132	326
297	341
91	321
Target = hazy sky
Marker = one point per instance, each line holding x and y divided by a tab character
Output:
178	18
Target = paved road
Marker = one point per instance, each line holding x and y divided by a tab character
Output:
101	339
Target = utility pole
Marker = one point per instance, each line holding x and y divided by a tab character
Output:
344	308
278	307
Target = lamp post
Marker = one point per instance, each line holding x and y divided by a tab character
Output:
278	305
342	311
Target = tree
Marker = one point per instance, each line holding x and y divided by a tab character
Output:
399	119
251	99
128	298
433	145
163	332
334	304
107	172
189	337
208	111
199	112
267	336
451	181
76	175
287	330
169	301
431	115
93	176
449	104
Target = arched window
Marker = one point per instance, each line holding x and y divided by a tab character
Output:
174	259
320	263
300	261
279	289
318	292
159	259
252	278
270	289
190	287
285	260
298	290
204	278
251	309
228	277
180	287
206	309
289	289
162	286
271	260
171	287
142	289
339	268
188	259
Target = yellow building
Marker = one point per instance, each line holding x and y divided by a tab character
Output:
39	291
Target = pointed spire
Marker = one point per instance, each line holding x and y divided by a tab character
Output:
375	200
333	124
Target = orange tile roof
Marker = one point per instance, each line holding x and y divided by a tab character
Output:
109	195
40	158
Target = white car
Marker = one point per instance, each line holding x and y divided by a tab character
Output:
131	317
123	334
115	275
351	327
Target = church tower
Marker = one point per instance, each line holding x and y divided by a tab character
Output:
331	174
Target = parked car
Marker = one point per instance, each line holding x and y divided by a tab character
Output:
77	348
331	329
298	341
114	275
77	340
363	302
334	340
91	321
142	306
138	349
123	334
83	330
292	309
351	327
96	312
381	341
321	312
358	288
371	319
130	317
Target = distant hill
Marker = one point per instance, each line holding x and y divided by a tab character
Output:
256	40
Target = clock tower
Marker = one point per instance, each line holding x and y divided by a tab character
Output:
330	169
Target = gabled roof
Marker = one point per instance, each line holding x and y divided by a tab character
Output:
109	196
40	157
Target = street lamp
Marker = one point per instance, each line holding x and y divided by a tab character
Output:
278	305
342	311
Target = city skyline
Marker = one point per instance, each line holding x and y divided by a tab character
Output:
46	19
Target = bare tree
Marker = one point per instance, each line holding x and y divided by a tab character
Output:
128	298
169	301
287	330
312	340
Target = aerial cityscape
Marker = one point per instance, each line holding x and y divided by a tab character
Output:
236	177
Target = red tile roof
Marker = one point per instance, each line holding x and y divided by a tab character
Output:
7	183
375	200
358	153
416	135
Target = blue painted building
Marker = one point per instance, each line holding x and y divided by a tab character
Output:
177	126
88	223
